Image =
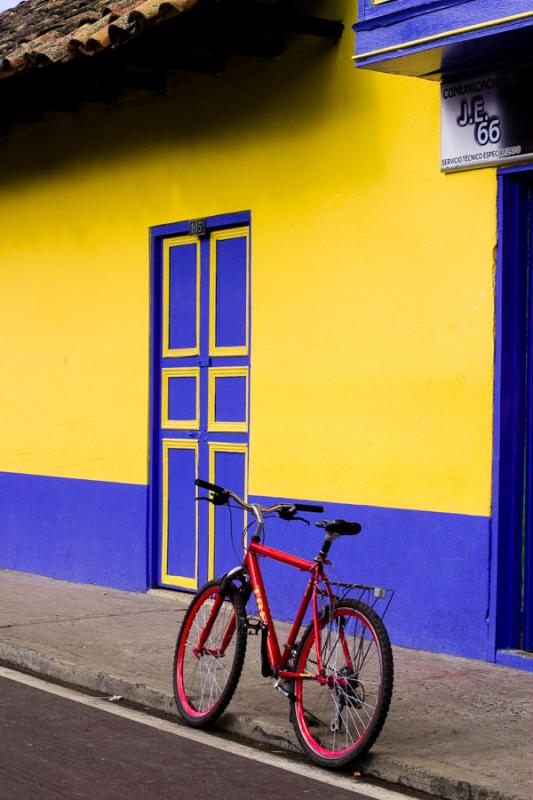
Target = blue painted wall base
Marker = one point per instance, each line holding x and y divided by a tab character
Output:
516	659
95	532
78	530
437	563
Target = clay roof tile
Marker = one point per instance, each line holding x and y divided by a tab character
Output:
39	32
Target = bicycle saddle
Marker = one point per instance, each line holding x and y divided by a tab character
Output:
339	526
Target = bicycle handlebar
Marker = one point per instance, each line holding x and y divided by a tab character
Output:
211	486
277	508
287	511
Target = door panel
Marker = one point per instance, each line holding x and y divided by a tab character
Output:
228	399
228	466
181	296
229	293
180	398
179	513
202	421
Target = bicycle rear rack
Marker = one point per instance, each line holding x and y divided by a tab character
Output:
378	598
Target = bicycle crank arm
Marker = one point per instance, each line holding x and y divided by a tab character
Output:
305	676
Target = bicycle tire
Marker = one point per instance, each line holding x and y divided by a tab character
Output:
203	684
320	711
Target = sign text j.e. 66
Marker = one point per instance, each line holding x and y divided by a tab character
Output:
486	128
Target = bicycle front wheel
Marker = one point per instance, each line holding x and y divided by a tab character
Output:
209	654
339	716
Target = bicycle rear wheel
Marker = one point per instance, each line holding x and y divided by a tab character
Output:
209	654
338	719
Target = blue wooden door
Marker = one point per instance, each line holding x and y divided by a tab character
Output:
201	398
526	545
514	415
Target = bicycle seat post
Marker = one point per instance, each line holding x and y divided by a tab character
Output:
328	539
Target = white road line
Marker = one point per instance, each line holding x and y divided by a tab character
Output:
227	745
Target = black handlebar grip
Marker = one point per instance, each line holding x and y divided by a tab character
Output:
211	486
310	509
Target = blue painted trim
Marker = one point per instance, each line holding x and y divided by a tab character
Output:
393	25
154	406
214	222
234	219
516	659
514	168
192	361
250	313
169	229
496	433
455	56
77	530
437	563
370	15
424	13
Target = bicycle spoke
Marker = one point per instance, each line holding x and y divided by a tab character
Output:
345	705
204	674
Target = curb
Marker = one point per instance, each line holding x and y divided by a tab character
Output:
244	727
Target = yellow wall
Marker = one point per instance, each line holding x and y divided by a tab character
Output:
372	287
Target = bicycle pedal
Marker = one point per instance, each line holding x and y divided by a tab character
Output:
253	625
284	688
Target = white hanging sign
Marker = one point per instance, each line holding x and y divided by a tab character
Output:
485	121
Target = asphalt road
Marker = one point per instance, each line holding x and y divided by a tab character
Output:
52	747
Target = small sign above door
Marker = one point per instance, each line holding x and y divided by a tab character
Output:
486	120
198	227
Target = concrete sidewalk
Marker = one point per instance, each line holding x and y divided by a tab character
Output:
457	729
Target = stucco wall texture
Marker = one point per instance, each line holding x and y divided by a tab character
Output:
372	281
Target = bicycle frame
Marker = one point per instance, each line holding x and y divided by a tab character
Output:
278	659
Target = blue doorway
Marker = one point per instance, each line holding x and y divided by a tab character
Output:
200	393
512	556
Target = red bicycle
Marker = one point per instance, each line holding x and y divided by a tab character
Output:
338	677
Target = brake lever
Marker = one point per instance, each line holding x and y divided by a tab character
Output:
218	499
288	514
